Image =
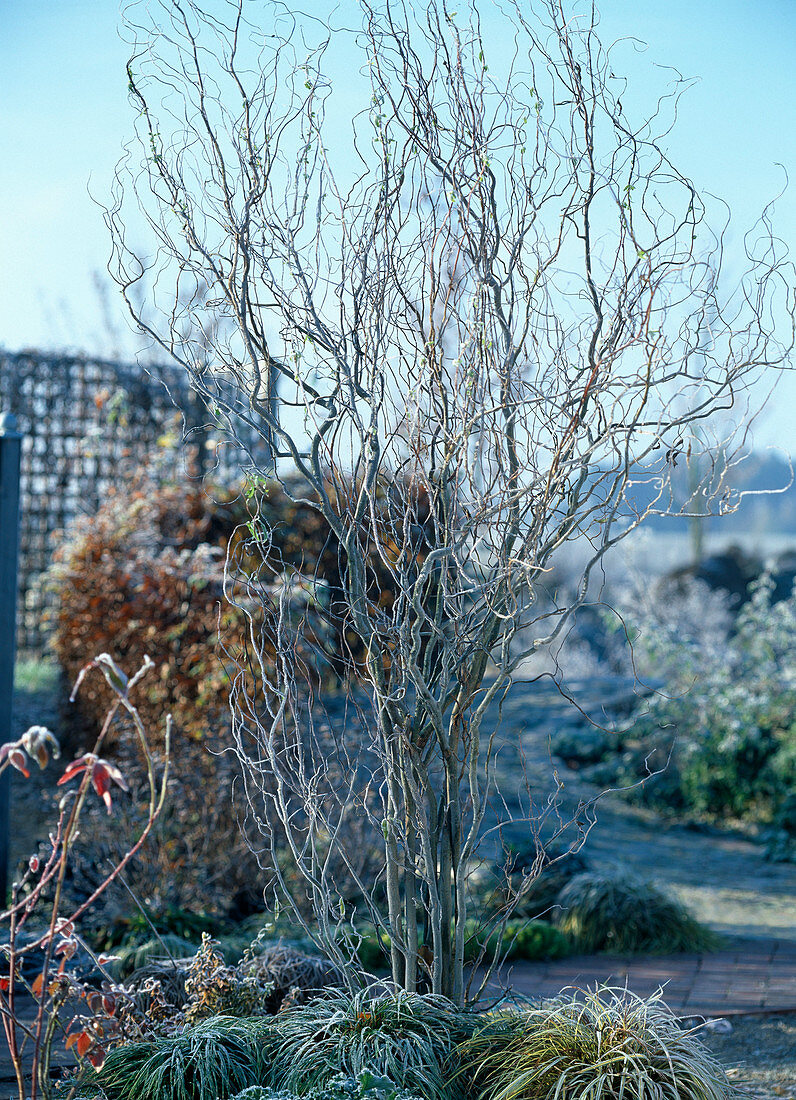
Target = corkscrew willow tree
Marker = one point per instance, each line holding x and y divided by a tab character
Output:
467	320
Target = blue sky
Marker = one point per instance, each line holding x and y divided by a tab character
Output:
65	113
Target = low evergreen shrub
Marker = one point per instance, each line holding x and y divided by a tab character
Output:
366	1086
721	734
135	928
531	940
522	939
373	951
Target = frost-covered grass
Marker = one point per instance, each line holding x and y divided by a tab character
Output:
609	1045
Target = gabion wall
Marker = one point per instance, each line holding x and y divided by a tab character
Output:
87	424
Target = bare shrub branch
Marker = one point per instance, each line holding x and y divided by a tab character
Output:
486	329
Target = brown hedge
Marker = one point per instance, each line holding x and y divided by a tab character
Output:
144	576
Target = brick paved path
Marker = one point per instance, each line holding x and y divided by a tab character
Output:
749	975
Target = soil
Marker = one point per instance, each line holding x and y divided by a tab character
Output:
760	1055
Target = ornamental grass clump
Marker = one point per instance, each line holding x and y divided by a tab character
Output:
217	1058
292	976
609	1046
134	956
409	1038
627	916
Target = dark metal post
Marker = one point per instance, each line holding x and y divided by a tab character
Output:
10	454
195	416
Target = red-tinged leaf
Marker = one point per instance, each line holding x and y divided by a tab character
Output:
76	767
5	985
100	780
109	1004
66	947
97	1057
18	760
72	1039
114	773
38	985
70	773
83	1043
